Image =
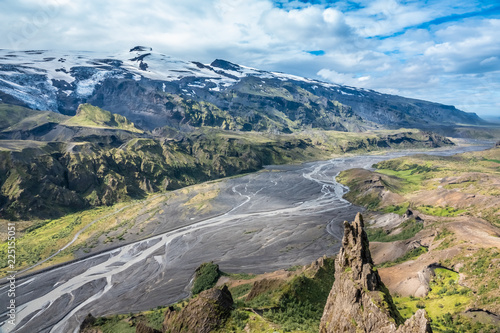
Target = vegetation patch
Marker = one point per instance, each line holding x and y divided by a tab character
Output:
91	116
412	175
482	269
45	238
446	296
408	230
241	290
303	299
206	277
397	209
440	211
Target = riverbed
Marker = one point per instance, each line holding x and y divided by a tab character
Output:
284	216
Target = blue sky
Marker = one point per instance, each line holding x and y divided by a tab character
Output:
444	51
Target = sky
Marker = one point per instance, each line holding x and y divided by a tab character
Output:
443	51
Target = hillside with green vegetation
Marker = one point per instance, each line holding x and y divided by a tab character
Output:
107	160
14	117
291	301
91	116
464	184
457	237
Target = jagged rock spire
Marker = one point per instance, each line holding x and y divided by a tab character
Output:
355	254
359	301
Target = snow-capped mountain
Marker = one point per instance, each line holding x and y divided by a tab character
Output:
155	90
36	77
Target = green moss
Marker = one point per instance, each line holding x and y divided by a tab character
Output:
240	276
303	299
397	209
440	211
91	116
206	277
412	175
445	296
241	290
387	303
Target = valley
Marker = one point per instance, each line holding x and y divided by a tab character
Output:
124	172
277	218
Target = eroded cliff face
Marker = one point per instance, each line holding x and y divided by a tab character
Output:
359	301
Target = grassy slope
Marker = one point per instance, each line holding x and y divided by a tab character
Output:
472	176
13	117
91	116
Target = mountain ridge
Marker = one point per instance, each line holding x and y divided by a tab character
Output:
154	90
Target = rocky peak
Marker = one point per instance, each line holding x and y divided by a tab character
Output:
203	314
355	257
359	301
219	63
141	49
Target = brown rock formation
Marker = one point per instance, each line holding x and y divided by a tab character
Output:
203	314
359	301
142	328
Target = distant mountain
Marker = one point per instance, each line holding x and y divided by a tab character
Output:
492	119
154	90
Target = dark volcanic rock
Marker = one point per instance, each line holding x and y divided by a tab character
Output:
88	322
203	313
359	301
408	214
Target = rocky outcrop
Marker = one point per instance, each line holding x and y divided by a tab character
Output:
359	301
142	328
86	325
203	314
419	323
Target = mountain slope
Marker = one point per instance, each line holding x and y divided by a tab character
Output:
50	163
92	116
154	90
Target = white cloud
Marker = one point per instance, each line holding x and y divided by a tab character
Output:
344	79
383	17
440	62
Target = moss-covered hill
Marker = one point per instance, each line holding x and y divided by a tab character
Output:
98	158
91	116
